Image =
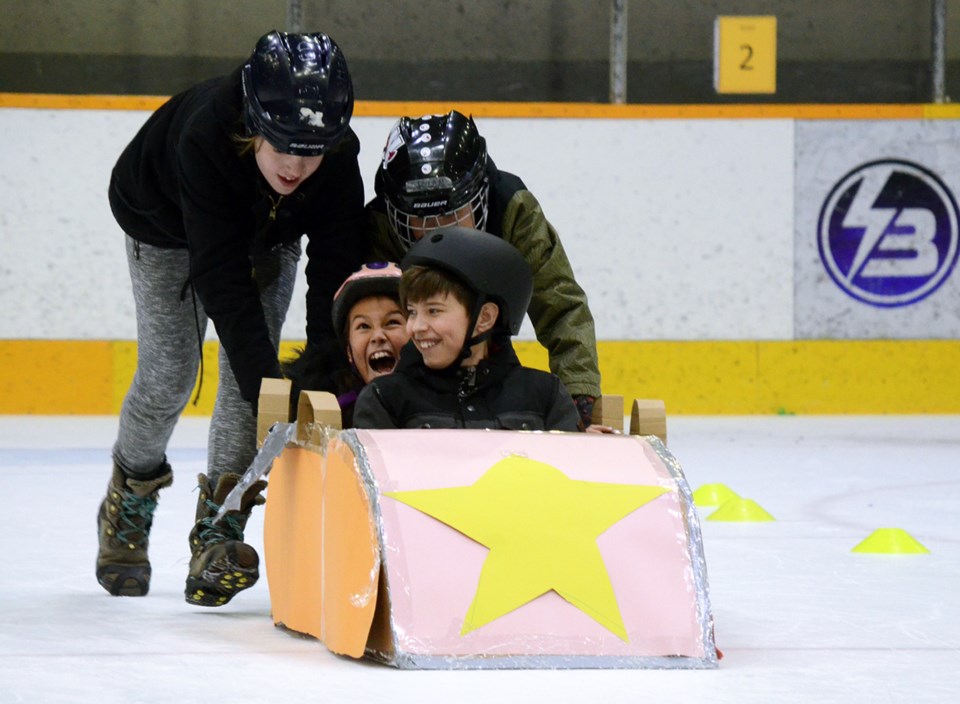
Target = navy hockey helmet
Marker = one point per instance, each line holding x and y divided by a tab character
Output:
297	92
432	167
492	268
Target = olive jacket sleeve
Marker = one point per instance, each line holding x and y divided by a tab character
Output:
558	309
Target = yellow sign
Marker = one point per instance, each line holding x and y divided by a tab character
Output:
745	54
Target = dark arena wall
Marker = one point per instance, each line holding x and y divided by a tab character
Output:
846	51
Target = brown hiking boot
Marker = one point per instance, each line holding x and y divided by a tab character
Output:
221	564
123	523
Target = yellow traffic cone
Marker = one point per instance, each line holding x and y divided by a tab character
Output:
713	495
738	509
890	541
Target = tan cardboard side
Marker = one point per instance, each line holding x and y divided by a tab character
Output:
322	583
608	410
273	406
649	417
351	555
314	410
293	541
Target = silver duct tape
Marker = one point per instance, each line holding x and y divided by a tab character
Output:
370	485
280	434
280	437
399	657
694	546
406	661
308	431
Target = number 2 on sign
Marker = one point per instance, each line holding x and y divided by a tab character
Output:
745	65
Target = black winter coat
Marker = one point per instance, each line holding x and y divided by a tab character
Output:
181	183
498	393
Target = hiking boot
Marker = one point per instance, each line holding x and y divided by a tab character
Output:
123	523
221	564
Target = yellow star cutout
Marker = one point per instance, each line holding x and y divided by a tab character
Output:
541	528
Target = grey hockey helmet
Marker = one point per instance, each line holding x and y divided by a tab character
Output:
492	268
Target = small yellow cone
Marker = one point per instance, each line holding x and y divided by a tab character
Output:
713	495
738	509
890	541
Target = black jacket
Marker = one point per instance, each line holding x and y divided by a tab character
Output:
498	393
181	183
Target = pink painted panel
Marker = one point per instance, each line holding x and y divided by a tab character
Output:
432	570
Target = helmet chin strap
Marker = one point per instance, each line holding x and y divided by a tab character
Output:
470	340
475	340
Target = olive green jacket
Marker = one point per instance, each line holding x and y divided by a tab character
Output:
558	308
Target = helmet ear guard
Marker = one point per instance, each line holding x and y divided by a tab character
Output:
298	94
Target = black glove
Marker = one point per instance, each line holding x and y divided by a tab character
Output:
585	409
319	367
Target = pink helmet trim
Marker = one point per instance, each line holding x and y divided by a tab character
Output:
373	279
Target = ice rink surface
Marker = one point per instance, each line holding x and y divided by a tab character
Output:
799	617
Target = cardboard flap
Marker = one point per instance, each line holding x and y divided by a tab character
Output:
293	541
315	410
649	417
321	550
351	574
608	410
273	405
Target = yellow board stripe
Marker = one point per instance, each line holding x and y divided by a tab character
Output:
372	108
49	101
944	111
51	377
805	377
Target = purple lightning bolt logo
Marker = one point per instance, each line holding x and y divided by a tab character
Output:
888	233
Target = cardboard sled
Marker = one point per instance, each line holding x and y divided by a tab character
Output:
429	549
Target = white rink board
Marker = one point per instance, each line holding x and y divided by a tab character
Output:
677	229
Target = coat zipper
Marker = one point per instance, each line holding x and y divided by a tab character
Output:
274	204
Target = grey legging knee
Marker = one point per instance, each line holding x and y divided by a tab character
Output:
168	355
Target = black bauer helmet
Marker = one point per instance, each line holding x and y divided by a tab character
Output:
492	268
297	92
433	166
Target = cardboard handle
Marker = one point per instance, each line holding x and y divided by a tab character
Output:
316	409
273	406
608	410
649	417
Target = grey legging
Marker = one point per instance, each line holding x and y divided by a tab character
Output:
168	355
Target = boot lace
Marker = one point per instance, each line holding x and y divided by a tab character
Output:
227	528
136	513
